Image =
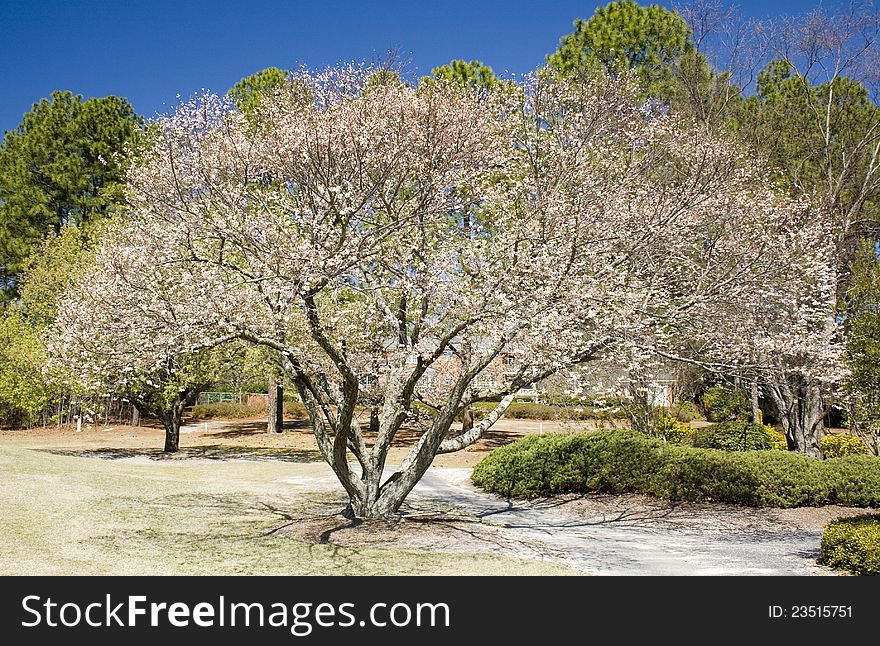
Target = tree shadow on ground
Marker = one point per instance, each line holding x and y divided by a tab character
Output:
492	439
210	452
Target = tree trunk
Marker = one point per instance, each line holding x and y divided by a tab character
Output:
757	416
171	422
802	410
467	418
275	407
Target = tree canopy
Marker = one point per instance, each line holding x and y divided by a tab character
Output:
334	233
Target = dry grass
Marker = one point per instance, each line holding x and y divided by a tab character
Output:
210	510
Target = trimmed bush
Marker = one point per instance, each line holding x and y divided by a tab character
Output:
722	404
734	436
626	461
835	446
853	544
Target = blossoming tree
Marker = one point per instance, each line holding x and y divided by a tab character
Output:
378	236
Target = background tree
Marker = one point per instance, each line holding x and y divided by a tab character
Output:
624	35
26	387
62	165
813	115
863	345
169	389
249	91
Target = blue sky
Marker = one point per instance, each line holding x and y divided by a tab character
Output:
150	52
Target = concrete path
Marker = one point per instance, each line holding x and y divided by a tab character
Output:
628	546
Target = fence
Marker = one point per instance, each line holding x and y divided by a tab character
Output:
219	398
98	410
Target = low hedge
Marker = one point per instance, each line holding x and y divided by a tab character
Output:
853	544
625	461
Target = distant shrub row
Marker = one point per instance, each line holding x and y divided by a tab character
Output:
233	410
526	410
626	461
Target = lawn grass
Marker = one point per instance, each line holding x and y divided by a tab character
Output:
64	515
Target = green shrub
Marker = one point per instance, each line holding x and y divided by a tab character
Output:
722	404
835	446
734	436
672	430
684	411
853	544
625	461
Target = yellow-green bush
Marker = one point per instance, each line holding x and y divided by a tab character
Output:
853	544
835	446
777	438
672	430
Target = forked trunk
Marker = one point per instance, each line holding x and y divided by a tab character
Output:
802	411
382	499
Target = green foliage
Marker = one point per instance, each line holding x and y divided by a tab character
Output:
627	461
863	339
853	544
723	404
63	165
473	75
26	388
23	389
835	446
250	90
672	430
624	35
781	120
735	436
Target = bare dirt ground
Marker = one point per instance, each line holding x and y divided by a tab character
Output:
247	439
600	534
